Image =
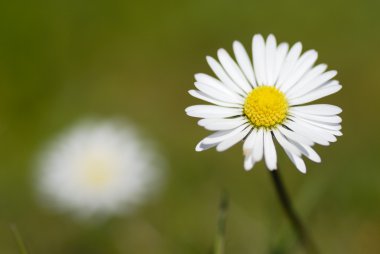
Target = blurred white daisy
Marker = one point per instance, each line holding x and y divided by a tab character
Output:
262	100
98	169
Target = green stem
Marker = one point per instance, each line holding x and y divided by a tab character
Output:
296	222
221	227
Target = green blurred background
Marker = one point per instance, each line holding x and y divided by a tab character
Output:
62	61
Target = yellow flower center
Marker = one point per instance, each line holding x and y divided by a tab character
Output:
97	172
266	106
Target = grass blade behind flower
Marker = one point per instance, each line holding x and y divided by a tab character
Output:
17	236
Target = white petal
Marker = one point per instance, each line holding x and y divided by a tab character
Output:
244	62
316	131
310	153
248	162
304	64
219	124
281	53
318	109
202	147
233	140
307	78
290	62
201	95
309	134
220	136
249	142
219	86
217	93
286	145
315	95
258	50
315	83
297	161
222	75
307	151
270	59
295	136
269	151
335	133
324	119
233	70
258	146
330	128
211	111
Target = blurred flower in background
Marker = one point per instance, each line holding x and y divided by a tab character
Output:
98	168
259	102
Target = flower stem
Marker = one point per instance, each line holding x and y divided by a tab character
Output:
299	228
221	227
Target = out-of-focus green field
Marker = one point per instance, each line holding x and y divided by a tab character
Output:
62	61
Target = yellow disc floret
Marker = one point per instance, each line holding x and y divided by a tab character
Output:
266	106
96	172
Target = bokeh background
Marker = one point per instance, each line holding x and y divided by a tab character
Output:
62	61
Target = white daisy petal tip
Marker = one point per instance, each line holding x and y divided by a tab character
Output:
298	162
248	163
197	76
258	37
221	52
248	168
220	149
303	170
191	92
236	44
201	122
210	60
201	146
198	148
298	44
271	38
272	168
188	111
259	98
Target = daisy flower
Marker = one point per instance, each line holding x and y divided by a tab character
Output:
98	168
261	100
